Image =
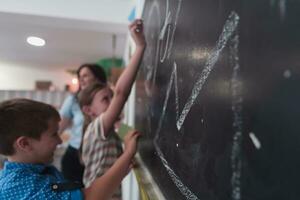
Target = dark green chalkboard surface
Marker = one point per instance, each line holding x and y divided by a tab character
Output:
218	98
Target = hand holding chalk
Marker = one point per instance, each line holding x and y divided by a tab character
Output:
137	33
139	23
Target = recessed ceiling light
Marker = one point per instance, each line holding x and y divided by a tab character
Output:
36	41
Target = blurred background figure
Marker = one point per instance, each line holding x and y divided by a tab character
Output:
73	118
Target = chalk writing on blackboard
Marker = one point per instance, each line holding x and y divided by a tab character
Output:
151	53
165	49
228	30
176	180
255	140
172	79
237	100
175	25
161	49
229	33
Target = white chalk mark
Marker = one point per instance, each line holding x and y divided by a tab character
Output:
237	100
173	76
174	28
189	195
148	82
165	49
176	91
164	28
151	68
162	58
287	74
228	29
282	9
255	140
236	167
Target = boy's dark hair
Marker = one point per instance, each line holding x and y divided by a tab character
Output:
23	117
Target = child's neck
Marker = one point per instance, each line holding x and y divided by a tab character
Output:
18	159
22	159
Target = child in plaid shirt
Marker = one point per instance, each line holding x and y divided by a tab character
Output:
101	146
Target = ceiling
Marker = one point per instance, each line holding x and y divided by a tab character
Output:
75	32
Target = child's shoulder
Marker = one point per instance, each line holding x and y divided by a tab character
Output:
13	172
14	175
9	178
95	131
17	183
18	171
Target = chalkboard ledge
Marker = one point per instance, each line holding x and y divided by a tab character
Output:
148	188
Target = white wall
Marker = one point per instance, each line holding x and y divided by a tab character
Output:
76	9
17	77
14	77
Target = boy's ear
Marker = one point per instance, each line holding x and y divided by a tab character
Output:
87	110
23	143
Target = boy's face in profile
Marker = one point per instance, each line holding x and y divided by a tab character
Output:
43	149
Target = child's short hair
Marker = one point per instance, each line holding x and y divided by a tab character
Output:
23	117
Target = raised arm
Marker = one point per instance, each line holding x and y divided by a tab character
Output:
127	78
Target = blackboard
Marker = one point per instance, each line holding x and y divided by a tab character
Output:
218	98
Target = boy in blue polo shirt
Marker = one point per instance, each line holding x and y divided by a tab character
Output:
28	137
